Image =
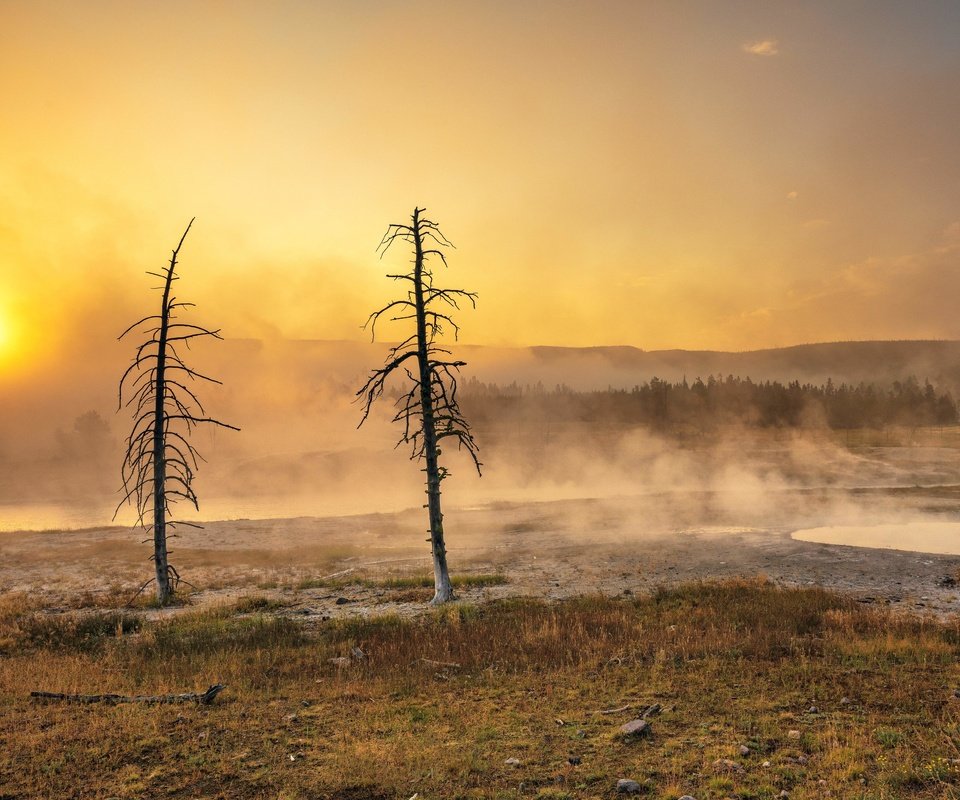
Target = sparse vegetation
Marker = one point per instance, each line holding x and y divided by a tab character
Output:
438	704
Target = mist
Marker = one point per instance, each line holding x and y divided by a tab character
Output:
300	453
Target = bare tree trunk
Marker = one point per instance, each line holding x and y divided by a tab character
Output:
159	463
443	589
160	561
428	411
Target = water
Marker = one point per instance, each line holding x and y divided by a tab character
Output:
920	537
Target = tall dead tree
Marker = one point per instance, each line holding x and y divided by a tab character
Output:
428	409
160	462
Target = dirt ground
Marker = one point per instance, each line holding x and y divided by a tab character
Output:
319	568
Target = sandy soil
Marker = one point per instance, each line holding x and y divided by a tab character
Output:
547	549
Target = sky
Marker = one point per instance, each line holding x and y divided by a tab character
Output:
698	175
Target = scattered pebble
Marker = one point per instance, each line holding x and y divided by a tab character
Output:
844	701
802	759
636	727
793	734
574	761
744	750
726	765
765	764
625	786
512	762
813	710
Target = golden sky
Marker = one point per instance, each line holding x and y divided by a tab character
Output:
662	174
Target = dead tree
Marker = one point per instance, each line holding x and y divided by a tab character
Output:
160	462
428	410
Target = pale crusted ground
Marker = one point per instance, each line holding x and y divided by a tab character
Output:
547	549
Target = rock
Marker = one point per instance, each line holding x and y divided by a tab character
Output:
765	764
574	761
793	734
342	601
687	797
845	701
744	750
726	765
636	728
512	762
625	786
802	760
821	782
357	654
813	710
784	795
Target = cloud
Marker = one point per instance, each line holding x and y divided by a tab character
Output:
765	47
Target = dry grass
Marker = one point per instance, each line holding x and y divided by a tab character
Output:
440	702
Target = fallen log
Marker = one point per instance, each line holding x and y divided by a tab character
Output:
203	698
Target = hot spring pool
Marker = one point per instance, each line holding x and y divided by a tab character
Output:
921	537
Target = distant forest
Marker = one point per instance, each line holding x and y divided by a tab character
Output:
721	401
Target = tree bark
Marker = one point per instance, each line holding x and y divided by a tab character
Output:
160	562
443	589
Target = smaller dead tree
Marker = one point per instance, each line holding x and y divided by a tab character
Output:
160	462
428	410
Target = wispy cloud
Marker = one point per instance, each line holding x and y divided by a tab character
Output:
765	47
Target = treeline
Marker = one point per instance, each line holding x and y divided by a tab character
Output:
719	401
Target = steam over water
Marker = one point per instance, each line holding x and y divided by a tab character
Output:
921	537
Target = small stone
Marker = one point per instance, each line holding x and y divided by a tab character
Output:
802	760
845	701
625	786
357	654
342	601
726	765
687	797
813	710
581	733
784	795
793	734
744	750
636	727
821	782
765	764
574	761
512	762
